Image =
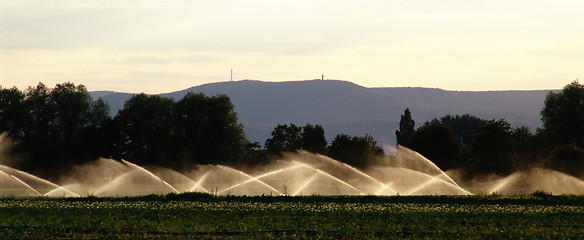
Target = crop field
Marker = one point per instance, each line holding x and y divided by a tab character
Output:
196	216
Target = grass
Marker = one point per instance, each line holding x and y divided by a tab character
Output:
188	216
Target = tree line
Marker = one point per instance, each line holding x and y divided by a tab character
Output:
353	150
479	146
50	130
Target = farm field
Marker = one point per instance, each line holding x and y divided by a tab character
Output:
196	216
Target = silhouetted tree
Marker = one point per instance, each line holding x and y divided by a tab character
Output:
285	138
208	130
524	150
492	149
465	126
313	139
11	108
146	124
195	130
438	143
79	121
53	128
406	128
568	158
356	151
563	115
12	113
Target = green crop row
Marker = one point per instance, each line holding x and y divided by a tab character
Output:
201	216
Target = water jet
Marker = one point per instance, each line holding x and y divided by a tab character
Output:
301	173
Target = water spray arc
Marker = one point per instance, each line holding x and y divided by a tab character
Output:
251	179
26	185
295	174
150	174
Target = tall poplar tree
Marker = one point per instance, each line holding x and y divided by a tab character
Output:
406	128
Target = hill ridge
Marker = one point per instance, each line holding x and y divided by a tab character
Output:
345	107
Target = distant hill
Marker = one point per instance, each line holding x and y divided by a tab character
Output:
344	107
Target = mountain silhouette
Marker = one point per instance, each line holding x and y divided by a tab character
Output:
345	107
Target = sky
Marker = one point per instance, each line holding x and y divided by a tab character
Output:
170	45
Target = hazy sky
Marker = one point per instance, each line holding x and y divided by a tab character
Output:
163	46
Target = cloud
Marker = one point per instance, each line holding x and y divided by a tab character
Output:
154	60
141	60
12	37
198	58
162	75
222	26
